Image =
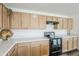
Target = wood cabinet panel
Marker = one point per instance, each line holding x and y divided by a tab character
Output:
60	25
26	20
42	22
70	44
24	49
5	18
54	18
75	41
70	23
64	45
16	20
0	16
45	48
13	51
34	22
35	49
49	18
65	23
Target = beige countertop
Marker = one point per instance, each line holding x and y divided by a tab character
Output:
5	46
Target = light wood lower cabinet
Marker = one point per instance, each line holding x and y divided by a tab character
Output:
13	51
44	48
75	42
40	48
35	49
70	44
24	49
64	45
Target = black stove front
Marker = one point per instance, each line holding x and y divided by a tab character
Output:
55	44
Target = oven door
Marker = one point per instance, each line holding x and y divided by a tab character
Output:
56	44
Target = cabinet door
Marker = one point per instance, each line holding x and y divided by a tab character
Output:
0	16
60	25
55	18
26	20
70	23
5	18
24	49
34	22
64	45
70	44
49	18
65	23
42	22
16	20
75	42
45	48
35	49
78	43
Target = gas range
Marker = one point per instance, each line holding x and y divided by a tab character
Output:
55	44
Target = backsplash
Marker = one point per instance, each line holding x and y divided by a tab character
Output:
35	33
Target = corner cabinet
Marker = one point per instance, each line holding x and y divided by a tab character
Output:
13	51
4	17
1	16
34	48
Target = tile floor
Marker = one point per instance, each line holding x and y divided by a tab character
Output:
72	53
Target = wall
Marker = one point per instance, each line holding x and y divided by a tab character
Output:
75	25
35	33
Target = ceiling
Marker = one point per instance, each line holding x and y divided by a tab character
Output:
56	8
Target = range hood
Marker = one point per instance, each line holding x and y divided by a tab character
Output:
52	24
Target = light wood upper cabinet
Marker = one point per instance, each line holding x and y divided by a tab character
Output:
24	49
42	21
5	18
60	25
75	42
34	24
35	49
70	23
70	46
54	18
65	23
0	16
16	20
64	45
49	18
45	48
26	20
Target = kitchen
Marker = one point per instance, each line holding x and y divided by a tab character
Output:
27	32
